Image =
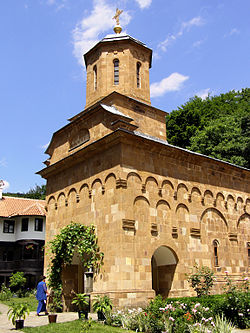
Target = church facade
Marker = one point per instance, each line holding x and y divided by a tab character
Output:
158	209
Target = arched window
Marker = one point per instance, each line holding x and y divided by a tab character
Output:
248	252
116	71
95	77
138	74
216	258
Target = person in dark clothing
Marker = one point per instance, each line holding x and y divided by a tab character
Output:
41	296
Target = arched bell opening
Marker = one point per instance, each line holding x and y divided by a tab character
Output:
163	265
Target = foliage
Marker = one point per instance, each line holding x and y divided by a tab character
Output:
18	312
102	304
74	236
5	293
55	303
73	327
81	301
217	126
201	280
236	304
222	325
17	283
86	325
38	192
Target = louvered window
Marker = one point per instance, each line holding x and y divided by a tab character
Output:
116	71
95	77
138	74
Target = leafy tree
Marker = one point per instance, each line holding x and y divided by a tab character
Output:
218	126
17	282
38	192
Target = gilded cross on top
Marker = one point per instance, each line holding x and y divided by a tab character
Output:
117	14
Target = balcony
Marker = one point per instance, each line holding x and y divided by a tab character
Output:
26	266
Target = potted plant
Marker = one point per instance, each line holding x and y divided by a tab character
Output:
54	305
101	305
17	314
82	303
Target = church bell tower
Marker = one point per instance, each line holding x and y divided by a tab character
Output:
118	63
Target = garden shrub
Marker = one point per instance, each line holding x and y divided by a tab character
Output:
236	303
201	280
5	293
17	283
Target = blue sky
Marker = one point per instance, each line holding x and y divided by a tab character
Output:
199	47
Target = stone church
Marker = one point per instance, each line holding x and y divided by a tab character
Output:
158	209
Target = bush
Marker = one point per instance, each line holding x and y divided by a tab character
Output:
236	303
201	280
17	283
5	293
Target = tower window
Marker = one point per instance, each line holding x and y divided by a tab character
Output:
248	252
116	71
216	259
138	74
95	77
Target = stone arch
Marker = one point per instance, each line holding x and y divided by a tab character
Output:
220	200
208	198
243	230
72	196
151	184
141	212
51	205
213	226
242	219
239	204
195	195
182	213
110	187
182	192
61	199
96	183
109	176
167	188
247	207
209	212
51	200
162	208
134	182
142	198
134	175
163	266
230	203
84	191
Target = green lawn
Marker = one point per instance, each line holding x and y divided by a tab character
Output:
73	327
31	300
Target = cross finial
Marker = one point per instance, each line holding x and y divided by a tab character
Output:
117	14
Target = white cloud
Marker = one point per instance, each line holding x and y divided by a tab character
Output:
185	26
173	82
144	3
87	31
45	146
3	162
198	43
233	31
203	94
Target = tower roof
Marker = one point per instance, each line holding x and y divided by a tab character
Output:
117	38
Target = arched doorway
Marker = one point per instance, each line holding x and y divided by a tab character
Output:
163	264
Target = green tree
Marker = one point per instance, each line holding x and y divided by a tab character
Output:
217	126
38	192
